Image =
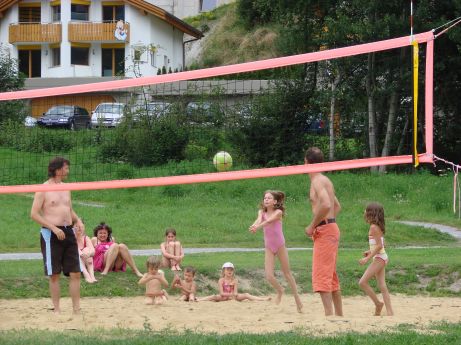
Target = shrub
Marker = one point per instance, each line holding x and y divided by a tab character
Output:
146	143
16	136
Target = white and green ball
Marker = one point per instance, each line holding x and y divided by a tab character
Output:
222	161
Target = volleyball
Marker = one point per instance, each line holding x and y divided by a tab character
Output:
222	161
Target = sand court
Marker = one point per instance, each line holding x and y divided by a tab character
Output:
227	317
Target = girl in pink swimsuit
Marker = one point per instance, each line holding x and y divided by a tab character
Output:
374	215
228	288
269	218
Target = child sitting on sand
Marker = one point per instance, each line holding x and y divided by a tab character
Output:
154	279
228	288
187	285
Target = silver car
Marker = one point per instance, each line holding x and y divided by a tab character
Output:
108	114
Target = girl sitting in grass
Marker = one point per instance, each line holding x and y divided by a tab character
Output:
172	251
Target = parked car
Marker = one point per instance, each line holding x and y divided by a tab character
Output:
65	116
108	114
158	109
152	110
205	113
30	121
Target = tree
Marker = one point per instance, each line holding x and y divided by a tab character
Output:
10	80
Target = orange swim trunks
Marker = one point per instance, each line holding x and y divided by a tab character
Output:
324	276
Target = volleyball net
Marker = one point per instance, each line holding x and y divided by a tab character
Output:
356	103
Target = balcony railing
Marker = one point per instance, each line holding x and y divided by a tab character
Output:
100	32
35	33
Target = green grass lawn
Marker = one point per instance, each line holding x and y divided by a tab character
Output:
428	271
218	214
437	334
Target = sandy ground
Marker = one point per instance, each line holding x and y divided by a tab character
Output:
226	317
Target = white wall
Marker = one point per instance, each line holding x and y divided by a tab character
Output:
11	16
179	8
144	30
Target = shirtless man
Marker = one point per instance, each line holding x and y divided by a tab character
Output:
325	233
53	211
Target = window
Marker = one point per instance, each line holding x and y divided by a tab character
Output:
79	12
29	62
79	56
165	61
113	61
137	54
29	14
113	13
56	56
56	13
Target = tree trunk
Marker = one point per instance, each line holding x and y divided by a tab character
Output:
404	134
370	86
334	85
390	127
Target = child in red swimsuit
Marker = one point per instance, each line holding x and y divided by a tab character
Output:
269	218
228	288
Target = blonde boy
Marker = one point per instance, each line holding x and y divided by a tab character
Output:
154	279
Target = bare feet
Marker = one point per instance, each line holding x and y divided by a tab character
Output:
379	308
299	305
278	299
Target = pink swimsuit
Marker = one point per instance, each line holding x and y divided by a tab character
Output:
98	260
227	288
273	235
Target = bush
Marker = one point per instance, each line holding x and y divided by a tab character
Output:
15	135
147	143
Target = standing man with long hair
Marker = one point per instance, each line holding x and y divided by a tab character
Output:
53	211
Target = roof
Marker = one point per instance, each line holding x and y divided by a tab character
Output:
141	5
6	4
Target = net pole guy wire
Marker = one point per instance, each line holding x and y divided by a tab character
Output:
233	69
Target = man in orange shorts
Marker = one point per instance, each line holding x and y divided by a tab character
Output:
325	233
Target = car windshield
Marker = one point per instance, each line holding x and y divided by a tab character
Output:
111	108
62	110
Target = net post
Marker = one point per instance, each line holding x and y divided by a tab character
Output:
429	97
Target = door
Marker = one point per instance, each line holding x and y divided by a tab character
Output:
30	63
113	62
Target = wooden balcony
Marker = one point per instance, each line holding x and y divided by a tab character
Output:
35	33
97	32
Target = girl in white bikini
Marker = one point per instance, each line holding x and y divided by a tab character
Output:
374	215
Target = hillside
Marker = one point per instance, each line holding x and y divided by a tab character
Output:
226	40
